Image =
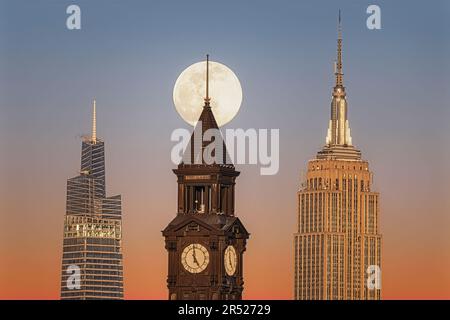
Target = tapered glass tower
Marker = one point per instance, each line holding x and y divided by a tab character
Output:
92	248
338	241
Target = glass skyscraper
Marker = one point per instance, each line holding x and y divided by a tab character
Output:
92	265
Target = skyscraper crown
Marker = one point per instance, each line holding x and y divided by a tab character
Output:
338	144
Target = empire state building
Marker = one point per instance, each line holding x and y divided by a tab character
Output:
338	240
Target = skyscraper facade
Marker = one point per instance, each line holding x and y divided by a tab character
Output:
92	265
338	240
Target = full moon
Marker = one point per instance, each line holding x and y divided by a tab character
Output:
225	92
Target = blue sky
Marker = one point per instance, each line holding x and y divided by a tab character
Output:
128	55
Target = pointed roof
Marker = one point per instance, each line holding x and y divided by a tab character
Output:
206	139
213	141
213	223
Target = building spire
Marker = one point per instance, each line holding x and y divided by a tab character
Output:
94	124
339	22
207	99
338	66
338	134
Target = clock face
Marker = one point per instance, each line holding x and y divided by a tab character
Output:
230	260
195	258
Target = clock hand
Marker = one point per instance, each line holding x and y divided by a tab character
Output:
193	255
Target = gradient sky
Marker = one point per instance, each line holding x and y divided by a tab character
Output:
128	56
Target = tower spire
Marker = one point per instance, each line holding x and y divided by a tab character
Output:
94	124
339	21
339	135
207	99
338	67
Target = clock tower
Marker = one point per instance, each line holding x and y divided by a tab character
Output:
205	241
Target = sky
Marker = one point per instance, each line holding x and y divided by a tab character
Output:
128	55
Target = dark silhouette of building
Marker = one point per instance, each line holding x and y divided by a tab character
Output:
205	241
